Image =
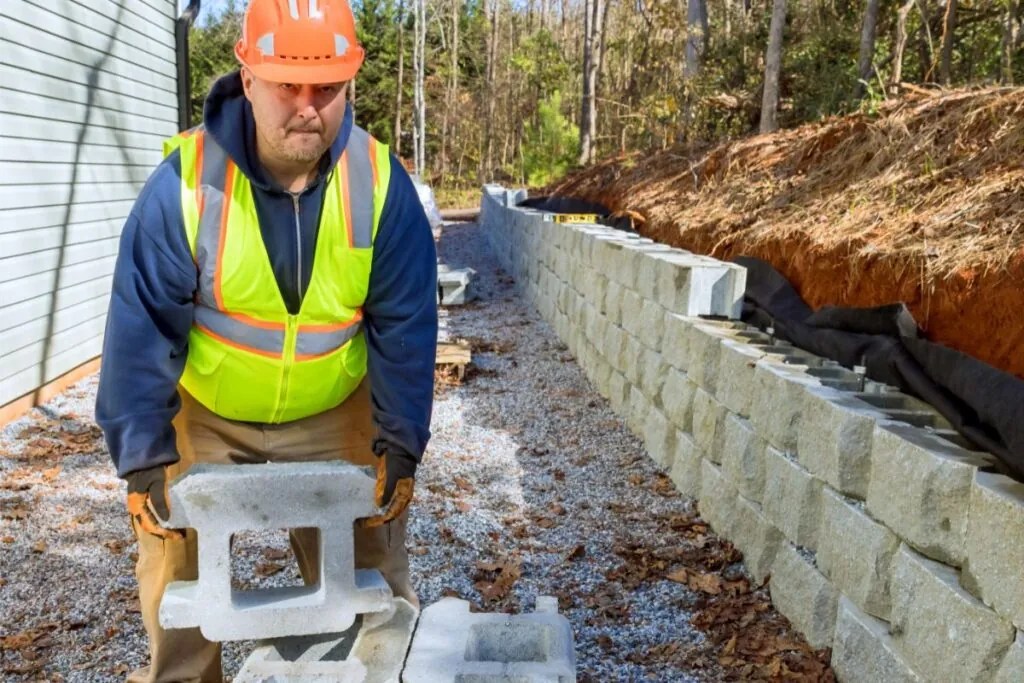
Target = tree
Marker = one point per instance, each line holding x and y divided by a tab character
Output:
865	68
948	29
1011	38
593	18
900	43
773	65
697	31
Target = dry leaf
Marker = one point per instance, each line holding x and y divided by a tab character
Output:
559	475
274	554
679	576
578	552
52	473
556	509
268	568
418	551
707	583
39	547
464	484
7	539
116	546
545	522
463	506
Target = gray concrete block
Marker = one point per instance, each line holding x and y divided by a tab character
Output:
735	375
863	650
698	285
653	373
756	537
705	350
856	553
613	302
834	442
804	596
940	629
632	309
921	489
676	346
686	471
792	499
776	413
743	457
632	359
221	500
708	425
647	267
614	347
652	325
619	392
453	285
1012	668
372	651
659	437
718	499
995	545
452	645
677	399
639	407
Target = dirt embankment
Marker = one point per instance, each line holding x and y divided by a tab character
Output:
922	203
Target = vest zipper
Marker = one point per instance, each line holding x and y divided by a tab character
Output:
298	249
290	341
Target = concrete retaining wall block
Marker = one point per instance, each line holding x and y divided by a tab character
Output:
717	504
863	650
659	437
652	325
834	442
705	349
708	425
653	373
743	457
614	346
776	413
995	545
735	375
940	629
676	345
639	407
756	537
632	360
613	302
677	399
632	308
686	471
1012	668
792	499
803	594
618	392
921	489
855	553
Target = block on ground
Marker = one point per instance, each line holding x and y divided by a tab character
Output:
452	645
863	650
686	466
804	596
943	631
718	498
756	538
454	285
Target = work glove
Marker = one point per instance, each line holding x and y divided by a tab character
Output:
395	475
147	502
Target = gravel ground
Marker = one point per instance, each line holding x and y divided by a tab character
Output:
531	486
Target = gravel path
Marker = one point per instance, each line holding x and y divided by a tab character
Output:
531	486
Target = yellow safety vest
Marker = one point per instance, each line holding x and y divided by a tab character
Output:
248	358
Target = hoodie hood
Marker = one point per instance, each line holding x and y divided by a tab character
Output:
227	116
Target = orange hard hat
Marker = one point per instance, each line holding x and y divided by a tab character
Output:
300	41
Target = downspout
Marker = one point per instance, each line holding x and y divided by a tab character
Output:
181	29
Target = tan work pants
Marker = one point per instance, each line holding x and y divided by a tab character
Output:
184	655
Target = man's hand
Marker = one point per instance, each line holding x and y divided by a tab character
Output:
395	476
147	502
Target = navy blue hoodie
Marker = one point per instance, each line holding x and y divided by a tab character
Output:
150	312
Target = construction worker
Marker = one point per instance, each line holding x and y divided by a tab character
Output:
274	299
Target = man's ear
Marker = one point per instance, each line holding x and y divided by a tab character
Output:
247	82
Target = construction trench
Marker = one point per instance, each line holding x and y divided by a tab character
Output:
704	502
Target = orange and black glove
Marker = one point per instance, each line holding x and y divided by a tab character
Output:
395	475
148	504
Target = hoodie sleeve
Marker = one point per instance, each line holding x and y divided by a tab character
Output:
148	322
401	321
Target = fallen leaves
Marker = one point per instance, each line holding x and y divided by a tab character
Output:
55	438
39	547
117	545
268	568
464	484
494	580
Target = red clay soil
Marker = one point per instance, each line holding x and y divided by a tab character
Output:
922	203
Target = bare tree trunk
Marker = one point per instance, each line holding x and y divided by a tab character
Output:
696	35
419	58
867	47
453	84
900	44
401	64
773	66
1010	39
926	45
948	29
588	47
492	56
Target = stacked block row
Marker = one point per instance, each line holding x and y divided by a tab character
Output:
878	532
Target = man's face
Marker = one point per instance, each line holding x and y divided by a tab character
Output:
295	123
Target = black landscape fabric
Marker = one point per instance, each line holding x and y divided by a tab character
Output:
984	404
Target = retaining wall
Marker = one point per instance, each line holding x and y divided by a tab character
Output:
880	535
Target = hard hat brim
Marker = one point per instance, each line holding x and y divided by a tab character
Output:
302	74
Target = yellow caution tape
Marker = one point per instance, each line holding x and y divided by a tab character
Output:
574	218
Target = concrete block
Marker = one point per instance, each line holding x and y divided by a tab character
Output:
718	499
639	407
708	425
743	457
614	347
940	629
613	302
652	325
776	413
1012	668
653	372
452	645
453	285
602	374
597	292
863	650
647	267
618	392
756	537
735	375
221	500
803	594
632	308
834	442
632	359
686	471
698	285
659	436
705	350
676	346
605	257
792	499
921	489
856	553
995	545
677	399
372	651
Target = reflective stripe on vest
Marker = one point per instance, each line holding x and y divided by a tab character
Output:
216	173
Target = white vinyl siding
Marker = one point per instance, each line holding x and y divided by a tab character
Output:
87	96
